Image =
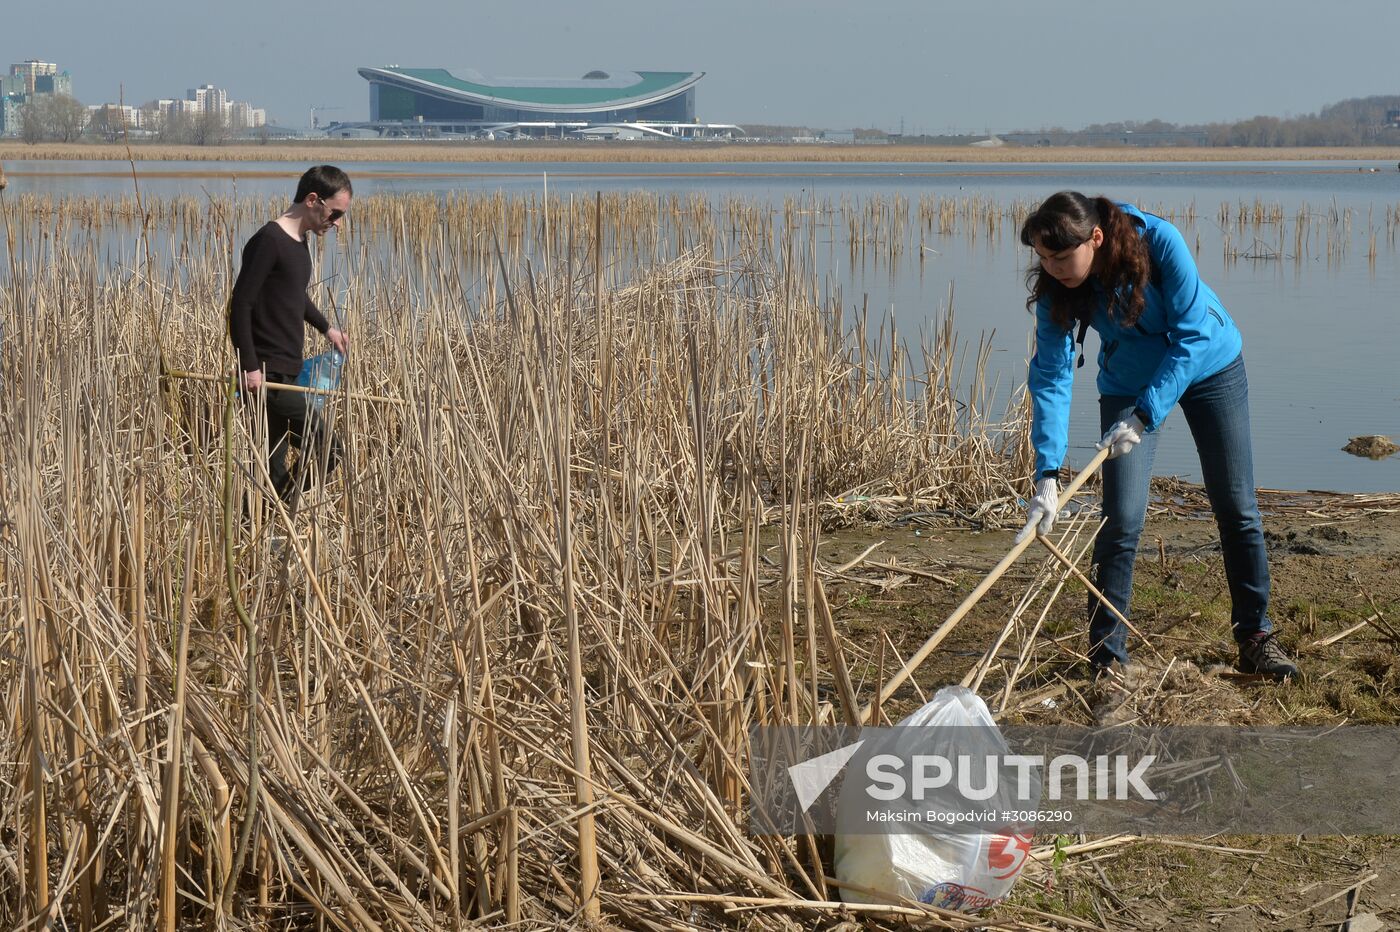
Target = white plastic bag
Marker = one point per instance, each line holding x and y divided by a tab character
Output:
963	871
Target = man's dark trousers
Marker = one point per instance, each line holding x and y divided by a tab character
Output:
294	420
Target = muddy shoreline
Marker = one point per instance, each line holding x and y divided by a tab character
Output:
1335	562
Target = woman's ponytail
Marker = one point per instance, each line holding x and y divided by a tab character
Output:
1124	263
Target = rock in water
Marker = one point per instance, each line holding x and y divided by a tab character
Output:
1373	446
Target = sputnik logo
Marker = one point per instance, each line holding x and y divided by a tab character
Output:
811	777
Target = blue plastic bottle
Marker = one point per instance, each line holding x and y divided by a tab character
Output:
321	372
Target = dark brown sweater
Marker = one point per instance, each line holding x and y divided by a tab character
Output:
270	305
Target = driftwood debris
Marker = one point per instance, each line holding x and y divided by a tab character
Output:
1372	446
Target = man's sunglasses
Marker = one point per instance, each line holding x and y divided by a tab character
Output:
335	214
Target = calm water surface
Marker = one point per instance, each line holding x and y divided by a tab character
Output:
1322	331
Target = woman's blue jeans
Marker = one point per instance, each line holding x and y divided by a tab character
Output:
1217	411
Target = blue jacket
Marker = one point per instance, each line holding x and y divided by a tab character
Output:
1183	336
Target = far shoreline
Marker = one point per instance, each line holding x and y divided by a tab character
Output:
351	151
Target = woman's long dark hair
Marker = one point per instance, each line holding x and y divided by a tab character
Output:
1122	264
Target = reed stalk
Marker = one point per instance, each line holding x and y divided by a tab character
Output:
506	667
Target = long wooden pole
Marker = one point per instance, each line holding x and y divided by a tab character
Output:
975	596
1112	609
283	387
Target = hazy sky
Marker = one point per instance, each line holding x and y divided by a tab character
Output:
938	66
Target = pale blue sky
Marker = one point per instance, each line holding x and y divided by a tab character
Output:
938	66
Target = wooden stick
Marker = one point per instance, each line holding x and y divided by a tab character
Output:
1219	849
975	676
38	836
1328	641
284	387
975	596
513	866
454	808
1094	591
221	816
1047	852
844	567
170	797
719	899
1340	893
849	704
896	568
138	611
559	425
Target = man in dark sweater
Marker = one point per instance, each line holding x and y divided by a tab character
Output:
267	316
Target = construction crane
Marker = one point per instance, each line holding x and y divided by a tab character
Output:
322	108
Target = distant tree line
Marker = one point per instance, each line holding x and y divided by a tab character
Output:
52	117
782	131
60	118
192	129
180	129
1360	121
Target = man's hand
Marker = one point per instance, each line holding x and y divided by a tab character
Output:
252	380
338	340
1122	437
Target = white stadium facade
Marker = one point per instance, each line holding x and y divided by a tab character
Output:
436	103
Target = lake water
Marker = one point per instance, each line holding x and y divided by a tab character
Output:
1321	324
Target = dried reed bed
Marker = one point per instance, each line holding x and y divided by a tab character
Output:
871	233
1313	233
359	151
502	668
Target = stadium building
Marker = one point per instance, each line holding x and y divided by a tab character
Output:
433	102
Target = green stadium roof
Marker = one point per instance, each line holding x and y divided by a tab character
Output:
611	91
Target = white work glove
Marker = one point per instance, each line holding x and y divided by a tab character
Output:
1042	509
1122	437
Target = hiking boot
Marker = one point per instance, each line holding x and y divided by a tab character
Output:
1263	654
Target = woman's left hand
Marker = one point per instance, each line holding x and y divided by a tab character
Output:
1122	437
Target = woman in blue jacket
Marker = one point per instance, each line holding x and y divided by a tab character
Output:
1164	339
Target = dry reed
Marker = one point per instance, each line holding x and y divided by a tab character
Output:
504	666
301	152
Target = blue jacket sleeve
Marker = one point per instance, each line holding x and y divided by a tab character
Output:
1187	304
1050	381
